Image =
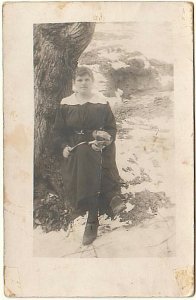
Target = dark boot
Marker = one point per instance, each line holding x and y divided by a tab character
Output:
90	233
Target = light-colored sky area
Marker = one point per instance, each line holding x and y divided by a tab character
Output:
154	40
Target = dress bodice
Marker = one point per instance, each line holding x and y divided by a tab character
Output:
87	116
72	117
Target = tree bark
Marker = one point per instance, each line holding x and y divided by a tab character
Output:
57	48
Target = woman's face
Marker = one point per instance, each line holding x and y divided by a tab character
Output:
83	84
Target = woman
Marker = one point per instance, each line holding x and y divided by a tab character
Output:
84	134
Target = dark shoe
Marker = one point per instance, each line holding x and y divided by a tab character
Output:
90	233
117	205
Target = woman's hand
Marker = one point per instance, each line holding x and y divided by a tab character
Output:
98	145
103	138
101	135
66	151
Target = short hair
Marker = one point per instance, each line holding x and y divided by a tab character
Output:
81	71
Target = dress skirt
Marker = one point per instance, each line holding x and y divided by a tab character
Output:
86	173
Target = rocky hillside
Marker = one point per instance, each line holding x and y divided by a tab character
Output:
131	72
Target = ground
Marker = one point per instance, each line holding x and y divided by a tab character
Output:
145	155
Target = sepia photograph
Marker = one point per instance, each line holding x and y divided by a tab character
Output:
104	140
98	149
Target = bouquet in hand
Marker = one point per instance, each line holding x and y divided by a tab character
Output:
102	139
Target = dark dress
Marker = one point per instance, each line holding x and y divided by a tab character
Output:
87	173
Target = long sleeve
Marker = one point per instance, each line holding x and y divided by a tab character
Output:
109	152
110	123
59	134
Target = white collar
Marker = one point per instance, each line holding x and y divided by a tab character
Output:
72	100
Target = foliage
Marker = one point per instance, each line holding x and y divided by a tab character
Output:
146	205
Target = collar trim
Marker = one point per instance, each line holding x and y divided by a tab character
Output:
72	100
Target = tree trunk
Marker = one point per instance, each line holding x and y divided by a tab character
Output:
57	48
